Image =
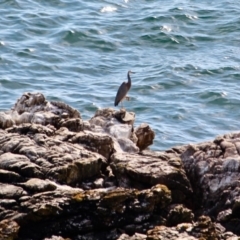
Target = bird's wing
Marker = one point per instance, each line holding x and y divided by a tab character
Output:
122	92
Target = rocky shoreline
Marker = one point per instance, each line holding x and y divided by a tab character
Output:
65	178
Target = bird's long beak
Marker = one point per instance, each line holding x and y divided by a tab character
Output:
133	72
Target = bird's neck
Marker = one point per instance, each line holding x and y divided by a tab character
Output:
129	79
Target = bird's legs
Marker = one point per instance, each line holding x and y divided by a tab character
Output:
122	104
127	98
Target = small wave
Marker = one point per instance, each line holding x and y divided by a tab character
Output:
165	28
192	17
174	40
216	98
108	9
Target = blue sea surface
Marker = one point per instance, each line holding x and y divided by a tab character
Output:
186	55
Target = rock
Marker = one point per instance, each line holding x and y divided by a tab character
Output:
38	185
204	228
39	156
9	176
119	125
162	232
96	142
8	203
125	117
56	238
213	169
11	191
76	170
224	216
6	120
179	214
126	145
33	108
19	164
98	183
75	125
65	178
31	129
136	236
88	209
145	136
145	171
116	206
8	230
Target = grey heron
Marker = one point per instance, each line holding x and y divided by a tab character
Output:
123	89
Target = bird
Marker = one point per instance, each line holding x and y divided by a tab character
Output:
123	90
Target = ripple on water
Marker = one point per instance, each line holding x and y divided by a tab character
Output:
108	9
186	57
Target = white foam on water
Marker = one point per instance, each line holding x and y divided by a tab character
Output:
108	9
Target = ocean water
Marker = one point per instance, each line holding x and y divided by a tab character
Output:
186	55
